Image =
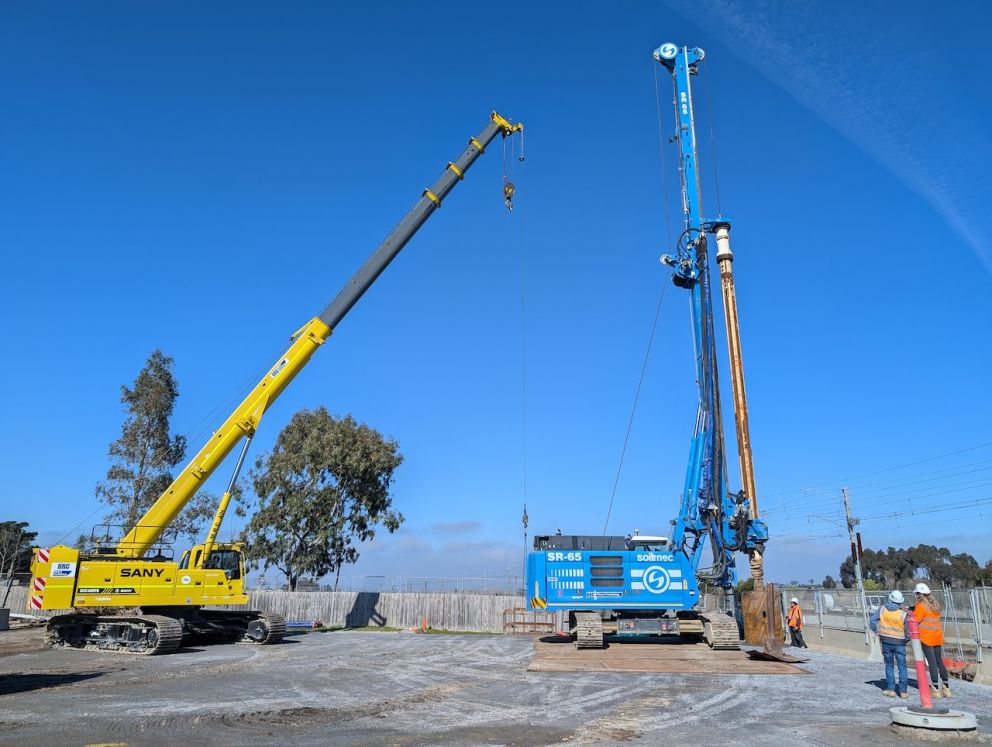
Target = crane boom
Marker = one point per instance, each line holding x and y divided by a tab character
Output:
243	421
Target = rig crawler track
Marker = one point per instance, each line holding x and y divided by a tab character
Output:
720	631
588	630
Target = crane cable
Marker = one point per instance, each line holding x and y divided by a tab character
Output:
709	119
661	297
509	195
633	410
661	156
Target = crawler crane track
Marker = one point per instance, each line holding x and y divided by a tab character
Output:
139	634
265	629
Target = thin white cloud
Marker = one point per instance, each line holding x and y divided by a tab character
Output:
879	91
456	527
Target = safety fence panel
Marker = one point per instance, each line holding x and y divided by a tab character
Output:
838	609
966	614
981	606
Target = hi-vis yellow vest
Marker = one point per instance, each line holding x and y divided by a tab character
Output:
891	624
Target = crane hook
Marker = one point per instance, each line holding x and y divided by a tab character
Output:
508	191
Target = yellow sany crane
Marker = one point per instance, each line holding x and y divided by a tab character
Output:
166	598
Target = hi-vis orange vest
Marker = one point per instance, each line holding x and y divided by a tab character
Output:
795	617
890	624
931	631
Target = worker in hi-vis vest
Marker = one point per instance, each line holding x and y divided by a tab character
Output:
927	613
891	622
796	624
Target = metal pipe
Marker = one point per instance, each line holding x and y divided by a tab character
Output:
745	457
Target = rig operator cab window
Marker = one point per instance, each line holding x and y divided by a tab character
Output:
648	542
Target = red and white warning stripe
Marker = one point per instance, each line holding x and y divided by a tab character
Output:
35	602
39	583
42	556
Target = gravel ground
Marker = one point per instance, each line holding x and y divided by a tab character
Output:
404	689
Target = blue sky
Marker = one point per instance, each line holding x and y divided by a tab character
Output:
202	177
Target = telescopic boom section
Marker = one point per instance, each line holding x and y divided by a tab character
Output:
304	343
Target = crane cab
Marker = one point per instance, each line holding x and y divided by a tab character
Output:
224	557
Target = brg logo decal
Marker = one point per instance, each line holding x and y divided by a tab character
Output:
656	579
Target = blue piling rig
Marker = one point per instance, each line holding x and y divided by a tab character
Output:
708	508
650	585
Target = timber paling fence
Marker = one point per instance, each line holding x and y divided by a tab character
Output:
469	611
355	609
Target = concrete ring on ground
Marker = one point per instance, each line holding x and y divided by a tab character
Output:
934	719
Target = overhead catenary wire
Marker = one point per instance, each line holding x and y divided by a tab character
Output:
903	519
912	495
902	496
908	491
930	510
851	479
897	522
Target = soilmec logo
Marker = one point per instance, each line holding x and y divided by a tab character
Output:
668	50
656	579
141	572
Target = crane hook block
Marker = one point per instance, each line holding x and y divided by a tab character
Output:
508	191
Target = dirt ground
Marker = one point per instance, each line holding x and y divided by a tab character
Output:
350	688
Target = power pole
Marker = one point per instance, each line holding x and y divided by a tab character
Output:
873	653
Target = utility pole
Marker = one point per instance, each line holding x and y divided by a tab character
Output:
873	653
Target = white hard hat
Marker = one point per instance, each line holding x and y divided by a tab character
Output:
922	589
896	597
795	600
